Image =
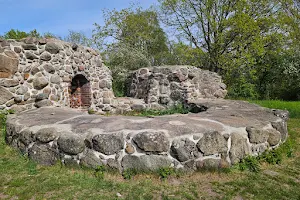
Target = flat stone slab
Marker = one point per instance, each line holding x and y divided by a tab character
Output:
221	135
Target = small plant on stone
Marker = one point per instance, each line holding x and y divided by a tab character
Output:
249	163
91	111
99	172
165	172
129	173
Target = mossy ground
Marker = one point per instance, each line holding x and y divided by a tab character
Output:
23	179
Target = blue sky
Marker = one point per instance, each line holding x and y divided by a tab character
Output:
58	16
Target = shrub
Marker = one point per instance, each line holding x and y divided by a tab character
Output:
129	173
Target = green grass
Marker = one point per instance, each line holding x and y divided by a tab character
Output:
23	179
292	106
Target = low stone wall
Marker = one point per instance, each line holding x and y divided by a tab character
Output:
38	72
219	137
168	85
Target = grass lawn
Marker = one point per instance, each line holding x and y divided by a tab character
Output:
23	179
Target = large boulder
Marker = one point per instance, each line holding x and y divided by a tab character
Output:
145	162
71	144
152	141
43	154
212	143
89	159
40	82
184	149
52	47
108	143
8	65
5	95
46	135
239	148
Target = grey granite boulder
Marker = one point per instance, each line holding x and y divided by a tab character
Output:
239	148
212	143
89	159
71	143
145	162
5	95
152	141
108	143
43	154
257	135
184	149
40	82
46	135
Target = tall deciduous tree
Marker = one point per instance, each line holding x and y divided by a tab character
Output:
136	28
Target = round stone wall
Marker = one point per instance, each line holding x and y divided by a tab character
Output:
39	72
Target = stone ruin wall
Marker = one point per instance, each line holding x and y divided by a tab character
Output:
38	72
169	85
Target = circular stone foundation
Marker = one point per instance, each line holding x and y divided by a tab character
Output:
218	137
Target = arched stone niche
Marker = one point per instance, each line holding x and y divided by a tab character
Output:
39	72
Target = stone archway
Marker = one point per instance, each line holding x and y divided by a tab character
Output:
80	92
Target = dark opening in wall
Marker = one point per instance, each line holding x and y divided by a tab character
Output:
80	92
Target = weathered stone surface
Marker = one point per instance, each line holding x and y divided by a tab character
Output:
27	137
145	162
40	82
9	82
49	68
34	70
8	66
129	148
108	143
52	47
22	90
183	149
18	99
17	49
41	96
239	148
90	159
212	143
71	143
45	56
43	154
55	79
281	126
257	135
209	163
5	95
274	137
152	141
29	46
30	56
43	103
46	135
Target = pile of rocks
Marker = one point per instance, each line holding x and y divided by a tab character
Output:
38	72
168	85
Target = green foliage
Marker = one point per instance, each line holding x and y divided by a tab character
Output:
15	34
250	163
91	111
292	106
78	38
272	157
165	172
100	171
129	173
136	29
